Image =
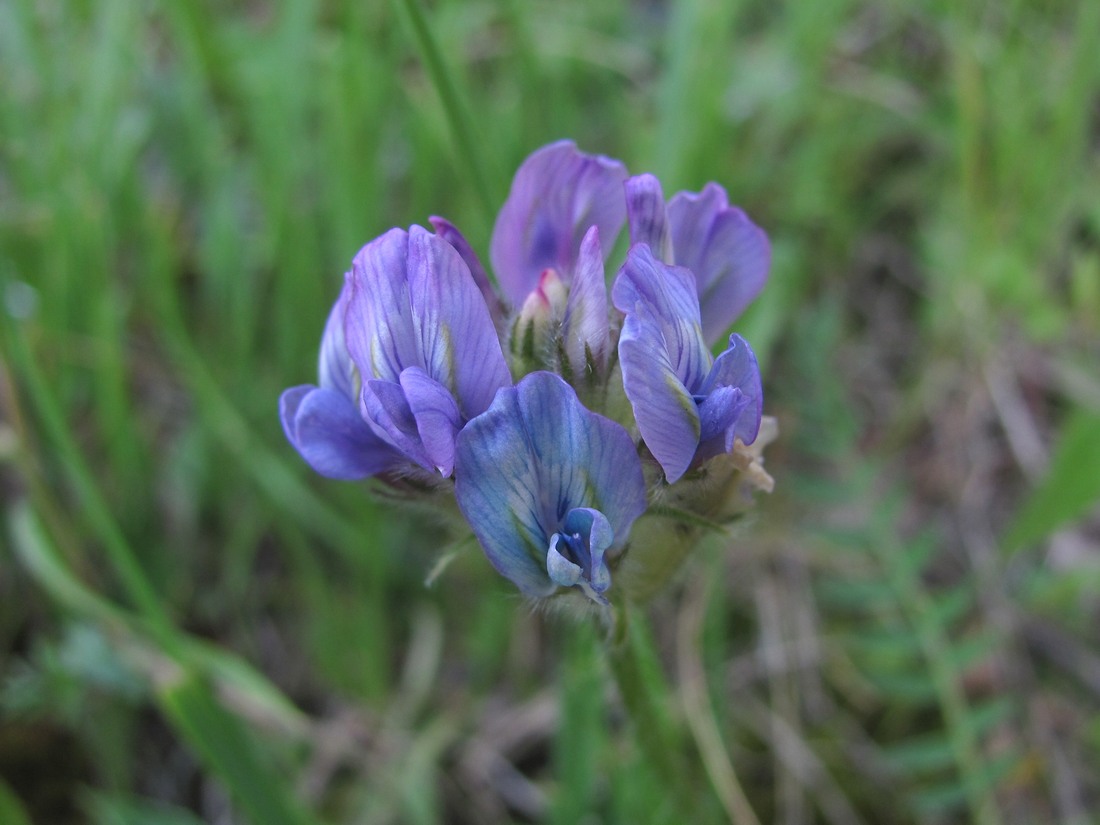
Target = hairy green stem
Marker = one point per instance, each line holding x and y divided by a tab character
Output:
639	686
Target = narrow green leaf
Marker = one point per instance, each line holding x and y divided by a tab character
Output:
453	104
924	754
856	595
228	751
908	688
1071	486
879	650
984	717
105	809
938	799
12	811
945	609
38	555
247	686
969	652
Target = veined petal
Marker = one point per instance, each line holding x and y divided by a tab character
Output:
664	408
594	536
456	338
335	367
384	404
449	232
576	552
690	217
582	458
498	490
324	426
557	194
531	458
718	416
561	570
737	367
728	253
668	294
584	327
436	415
379	325
413	303
645	209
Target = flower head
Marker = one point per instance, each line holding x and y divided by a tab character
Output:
549	488
414	387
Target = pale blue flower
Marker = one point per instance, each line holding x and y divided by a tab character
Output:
549	488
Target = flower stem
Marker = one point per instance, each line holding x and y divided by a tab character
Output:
641	687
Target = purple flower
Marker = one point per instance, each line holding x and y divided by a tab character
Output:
549	488
323	423
688	406
422	339
557	195
728	253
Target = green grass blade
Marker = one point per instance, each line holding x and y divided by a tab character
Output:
249	689
228	752
118	551
1071	486
12	811
457	113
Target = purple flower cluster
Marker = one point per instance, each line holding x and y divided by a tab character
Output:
426	373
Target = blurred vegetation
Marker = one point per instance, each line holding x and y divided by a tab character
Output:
193	627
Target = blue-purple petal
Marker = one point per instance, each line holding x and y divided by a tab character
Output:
664	409
456	335
417	415
325	427
531	458
576	553
449	232
384	404
559	568
585	326
437	417
379	325
413	303
728	253
646	217
719	413
335	367
557	194
737	367
595	536
668	294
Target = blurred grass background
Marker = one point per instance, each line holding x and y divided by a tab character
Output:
194	628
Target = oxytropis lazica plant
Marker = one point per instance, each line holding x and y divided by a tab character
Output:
561	418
